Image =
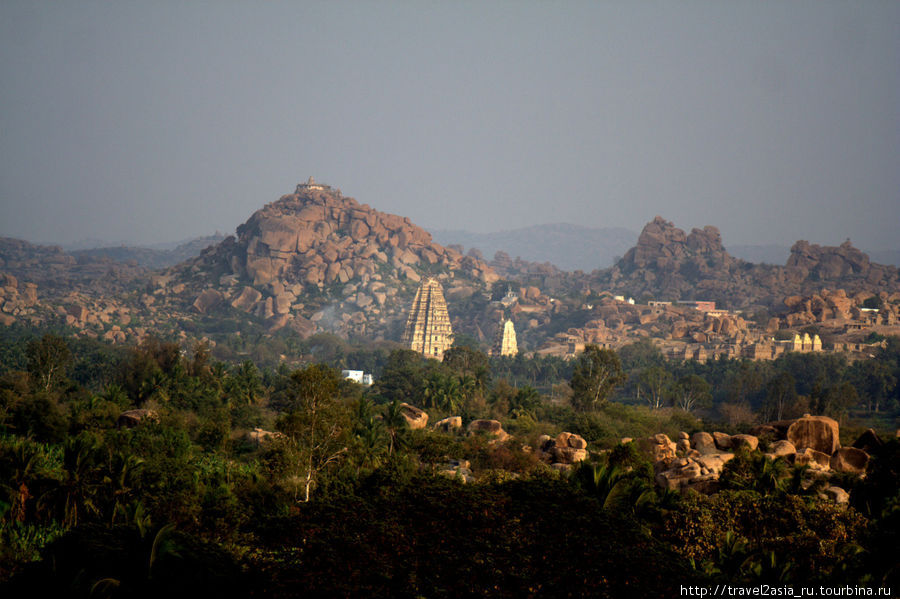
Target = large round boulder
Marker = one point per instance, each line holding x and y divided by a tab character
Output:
819	433
750	442
416	418
850	459
703	442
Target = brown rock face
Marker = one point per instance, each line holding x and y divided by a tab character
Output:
723	441
828	263
819	433
666	262
246	299
657	448
747	441
491	427
703	442
783	449
283	239
815	459
566	449
449	424
868	441
415	417
208	299
663	245
318	252
850	459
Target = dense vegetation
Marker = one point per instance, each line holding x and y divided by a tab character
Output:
343	499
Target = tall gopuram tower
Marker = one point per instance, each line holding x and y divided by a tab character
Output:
506	340
428	326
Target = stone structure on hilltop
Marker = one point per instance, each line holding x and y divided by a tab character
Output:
428	328
506	340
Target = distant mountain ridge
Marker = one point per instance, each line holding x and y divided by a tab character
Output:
154	257
567	246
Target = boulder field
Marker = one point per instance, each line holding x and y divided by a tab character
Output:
695	462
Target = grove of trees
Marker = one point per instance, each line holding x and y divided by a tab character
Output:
250	481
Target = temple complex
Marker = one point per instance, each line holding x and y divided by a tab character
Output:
506	340
428	328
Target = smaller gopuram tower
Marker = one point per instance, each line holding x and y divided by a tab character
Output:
428	328
506	340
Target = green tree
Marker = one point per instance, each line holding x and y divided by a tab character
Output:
641	354
595	374
395	424
837	400
316	425
442	391
49	359
692	391
467	361
874	379
655	383
781	392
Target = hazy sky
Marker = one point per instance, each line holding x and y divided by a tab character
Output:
157	121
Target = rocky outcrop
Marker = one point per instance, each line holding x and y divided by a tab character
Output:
491	428
317	260
668	264
812	458
132	418
828	263
746	442
563	451
416	418
449	424
696	461
457	470
849	459
868	441
819	433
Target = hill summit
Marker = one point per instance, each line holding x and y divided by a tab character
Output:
316	259
667	263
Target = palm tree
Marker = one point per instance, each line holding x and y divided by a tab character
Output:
81	479
395	423
370	434
120	471
615	487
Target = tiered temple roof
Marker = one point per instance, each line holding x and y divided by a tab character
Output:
428	328
506	340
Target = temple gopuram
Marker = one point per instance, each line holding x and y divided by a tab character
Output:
506	340
428	328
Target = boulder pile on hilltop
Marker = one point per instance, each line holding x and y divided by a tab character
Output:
316	260
668	263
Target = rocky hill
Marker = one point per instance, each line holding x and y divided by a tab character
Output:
666	263
317	260
55	270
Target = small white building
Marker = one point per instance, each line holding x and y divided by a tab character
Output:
358	376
